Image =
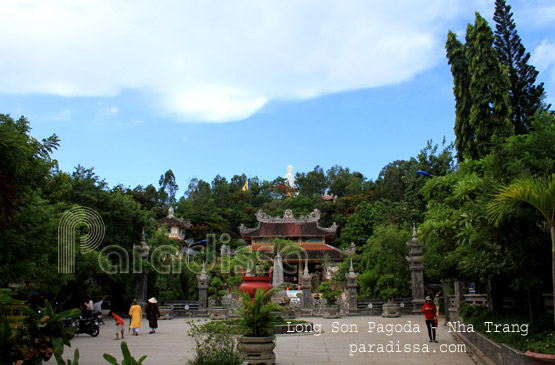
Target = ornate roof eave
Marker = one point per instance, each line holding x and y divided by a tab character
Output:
288	217
331	229
172	221
244	230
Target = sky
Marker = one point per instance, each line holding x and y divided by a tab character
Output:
206	88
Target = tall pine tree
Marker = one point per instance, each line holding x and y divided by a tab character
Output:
481	89
525	98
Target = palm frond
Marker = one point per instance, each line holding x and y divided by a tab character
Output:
540	193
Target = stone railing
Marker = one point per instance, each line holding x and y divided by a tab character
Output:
498	353
183	307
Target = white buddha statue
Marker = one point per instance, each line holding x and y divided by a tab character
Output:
290	177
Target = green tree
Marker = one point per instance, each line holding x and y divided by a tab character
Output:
525	98
391	183
488	88
25	163
481	91
456	53
312	183
536	192
383	257
29	230
168	189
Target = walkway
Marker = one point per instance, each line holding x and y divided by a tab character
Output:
390	341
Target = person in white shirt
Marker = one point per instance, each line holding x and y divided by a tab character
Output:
89	306
97	310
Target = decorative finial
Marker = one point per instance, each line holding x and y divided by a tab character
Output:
414	234
351	269
203	268
305	272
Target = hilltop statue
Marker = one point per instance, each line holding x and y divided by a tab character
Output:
290	177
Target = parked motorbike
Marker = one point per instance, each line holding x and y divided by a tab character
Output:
84	325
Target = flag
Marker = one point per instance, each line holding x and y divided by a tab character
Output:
247	185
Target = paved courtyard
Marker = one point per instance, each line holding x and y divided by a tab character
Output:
390	341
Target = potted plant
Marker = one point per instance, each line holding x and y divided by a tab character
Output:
258	323
331	310
217	291
387	288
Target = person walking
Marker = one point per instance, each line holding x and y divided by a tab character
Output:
429	310
136	314
436	303
152	314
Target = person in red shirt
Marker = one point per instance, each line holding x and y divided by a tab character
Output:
429	311
119	325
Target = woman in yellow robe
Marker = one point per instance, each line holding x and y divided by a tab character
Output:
136	314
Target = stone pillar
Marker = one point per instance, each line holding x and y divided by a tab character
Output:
459	295
277	274
141	279
202	281
446	304
352	285
306	283
416	268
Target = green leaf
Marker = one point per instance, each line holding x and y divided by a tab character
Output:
125	351
76	357
70	313
49	309
58	344
142	359
31	313
112	360
59	359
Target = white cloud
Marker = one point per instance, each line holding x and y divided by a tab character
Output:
543	57
537	12
216	61
132	123
61	115
108	112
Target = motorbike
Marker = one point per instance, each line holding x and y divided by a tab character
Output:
84	325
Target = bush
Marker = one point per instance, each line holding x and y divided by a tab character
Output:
39	337
216	343
328	293
540	334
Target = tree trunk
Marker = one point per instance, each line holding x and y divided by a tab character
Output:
531	306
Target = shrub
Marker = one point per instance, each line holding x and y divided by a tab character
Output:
257	318
39	337
216	343
328	293
540	334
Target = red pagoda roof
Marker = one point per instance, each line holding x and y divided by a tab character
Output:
287	226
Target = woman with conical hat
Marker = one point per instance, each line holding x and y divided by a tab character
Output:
152	314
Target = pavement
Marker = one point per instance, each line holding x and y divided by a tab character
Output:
354	340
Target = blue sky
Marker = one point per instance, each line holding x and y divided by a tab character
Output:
218	87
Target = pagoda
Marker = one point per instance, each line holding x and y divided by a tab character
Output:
304	231
176	226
